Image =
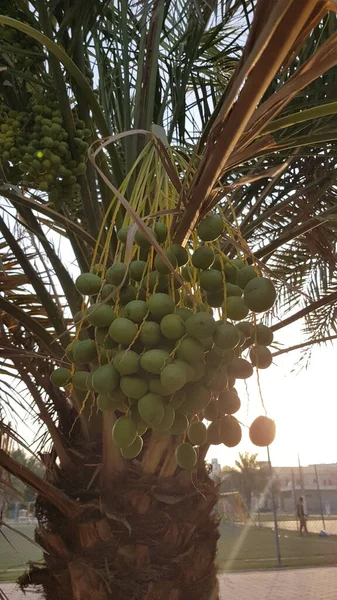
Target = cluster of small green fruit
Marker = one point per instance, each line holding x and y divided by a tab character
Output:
162	365
36	141
23	50
231	285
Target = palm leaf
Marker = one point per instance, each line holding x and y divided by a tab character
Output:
63	58
180	67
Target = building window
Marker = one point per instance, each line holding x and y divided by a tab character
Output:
297	482
324	481
315	480
330	482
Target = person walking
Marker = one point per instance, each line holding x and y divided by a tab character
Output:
301	515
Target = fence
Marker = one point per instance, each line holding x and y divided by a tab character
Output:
248	539
268	535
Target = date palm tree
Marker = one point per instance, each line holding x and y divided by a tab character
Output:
195	105
249	471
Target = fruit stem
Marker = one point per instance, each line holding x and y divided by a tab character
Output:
154	452
170	462
113	462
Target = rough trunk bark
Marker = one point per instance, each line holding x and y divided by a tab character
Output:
145	538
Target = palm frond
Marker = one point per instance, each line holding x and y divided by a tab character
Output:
248	110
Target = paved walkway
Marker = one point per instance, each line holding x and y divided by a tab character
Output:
12	592
291	584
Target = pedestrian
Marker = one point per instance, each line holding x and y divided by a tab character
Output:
301	515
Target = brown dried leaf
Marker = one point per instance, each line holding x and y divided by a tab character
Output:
269	45
10	282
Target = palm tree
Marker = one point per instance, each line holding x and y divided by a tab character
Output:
190	122
248	467
246	476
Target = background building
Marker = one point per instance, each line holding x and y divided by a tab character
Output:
317	484
216	467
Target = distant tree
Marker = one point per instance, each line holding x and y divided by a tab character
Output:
230	479
31	463
249	470
247	477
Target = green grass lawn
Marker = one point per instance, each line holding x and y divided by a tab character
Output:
239	548
15	551
250	547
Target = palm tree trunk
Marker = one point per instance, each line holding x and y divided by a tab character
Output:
144	538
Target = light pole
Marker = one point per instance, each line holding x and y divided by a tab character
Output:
294	496
320	496
277	539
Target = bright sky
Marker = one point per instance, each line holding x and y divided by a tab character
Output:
303	404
